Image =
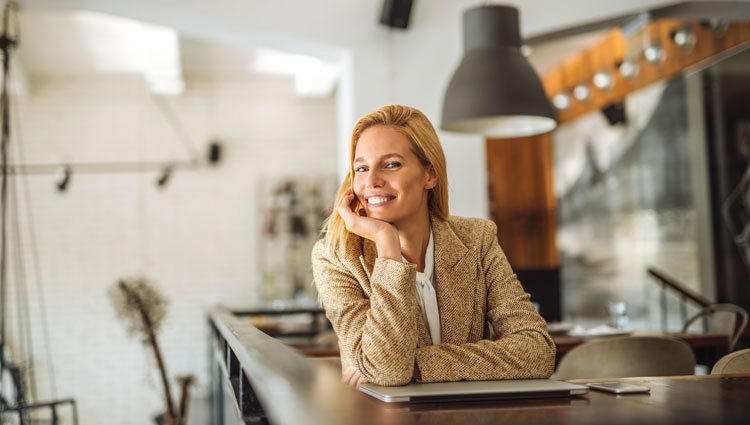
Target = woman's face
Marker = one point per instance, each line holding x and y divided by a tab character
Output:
389	180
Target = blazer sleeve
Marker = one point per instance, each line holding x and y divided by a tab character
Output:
523	348
377	334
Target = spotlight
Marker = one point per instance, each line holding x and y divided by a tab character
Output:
166	174
718	26
561	101
654	54
615	113
628	69
63	178
603	80
214	152
582	92
684	38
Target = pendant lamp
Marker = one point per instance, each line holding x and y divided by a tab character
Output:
495	91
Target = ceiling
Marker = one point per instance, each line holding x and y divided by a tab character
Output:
87	43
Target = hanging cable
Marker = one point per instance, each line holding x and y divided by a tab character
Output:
22	296
174	122
7	42
34	248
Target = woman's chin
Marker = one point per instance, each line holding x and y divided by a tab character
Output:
380	215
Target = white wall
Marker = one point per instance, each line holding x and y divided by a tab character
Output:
196	238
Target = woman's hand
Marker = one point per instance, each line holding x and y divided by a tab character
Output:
351	376
382	233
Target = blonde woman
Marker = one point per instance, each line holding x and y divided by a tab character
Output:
412	292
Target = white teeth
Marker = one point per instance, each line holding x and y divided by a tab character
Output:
377	200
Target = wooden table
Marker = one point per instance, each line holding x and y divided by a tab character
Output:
682	400
690	400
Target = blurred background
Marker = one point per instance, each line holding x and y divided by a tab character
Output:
200	144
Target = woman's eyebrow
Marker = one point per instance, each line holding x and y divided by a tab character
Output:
382	157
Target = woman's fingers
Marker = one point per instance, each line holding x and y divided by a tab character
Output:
344	208
362	380
352	377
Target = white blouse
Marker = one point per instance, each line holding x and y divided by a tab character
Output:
426	296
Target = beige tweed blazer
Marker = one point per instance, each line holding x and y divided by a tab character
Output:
372	305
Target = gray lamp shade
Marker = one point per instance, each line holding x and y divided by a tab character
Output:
495	91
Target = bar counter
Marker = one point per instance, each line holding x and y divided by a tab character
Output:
257	379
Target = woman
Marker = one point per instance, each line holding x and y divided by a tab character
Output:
408	288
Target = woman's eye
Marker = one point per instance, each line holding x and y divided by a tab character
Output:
360	169
393	164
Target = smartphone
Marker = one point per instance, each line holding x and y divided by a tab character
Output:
619	387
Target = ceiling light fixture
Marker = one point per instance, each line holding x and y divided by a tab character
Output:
63	178
582	92
718	26
654	54
163	179
603	80
684	38
628	69
561	101
495	90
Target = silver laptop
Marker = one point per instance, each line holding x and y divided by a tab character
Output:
474	390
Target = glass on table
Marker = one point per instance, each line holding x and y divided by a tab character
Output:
618	314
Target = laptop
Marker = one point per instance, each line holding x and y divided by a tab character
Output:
474	391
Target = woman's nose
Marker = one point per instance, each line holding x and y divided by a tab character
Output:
374	179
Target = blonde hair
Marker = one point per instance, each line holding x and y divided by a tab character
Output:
412	123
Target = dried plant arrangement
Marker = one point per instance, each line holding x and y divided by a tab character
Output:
142	309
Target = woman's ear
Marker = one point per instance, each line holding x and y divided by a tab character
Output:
432	179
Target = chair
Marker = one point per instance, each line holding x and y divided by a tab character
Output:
731	327
627	356
737	362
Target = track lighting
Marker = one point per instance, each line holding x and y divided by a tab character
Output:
582	92
63	178
684	38
654	54
164	177
628	69
561	101
603	80
718	26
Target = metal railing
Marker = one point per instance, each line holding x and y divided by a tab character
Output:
686	294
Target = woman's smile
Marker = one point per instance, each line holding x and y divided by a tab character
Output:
379	200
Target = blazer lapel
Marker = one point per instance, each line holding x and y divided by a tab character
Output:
455	283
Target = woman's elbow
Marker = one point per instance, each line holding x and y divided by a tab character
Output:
392	379
546	363
543	363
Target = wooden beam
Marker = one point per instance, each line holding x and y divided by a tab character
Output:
614	48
